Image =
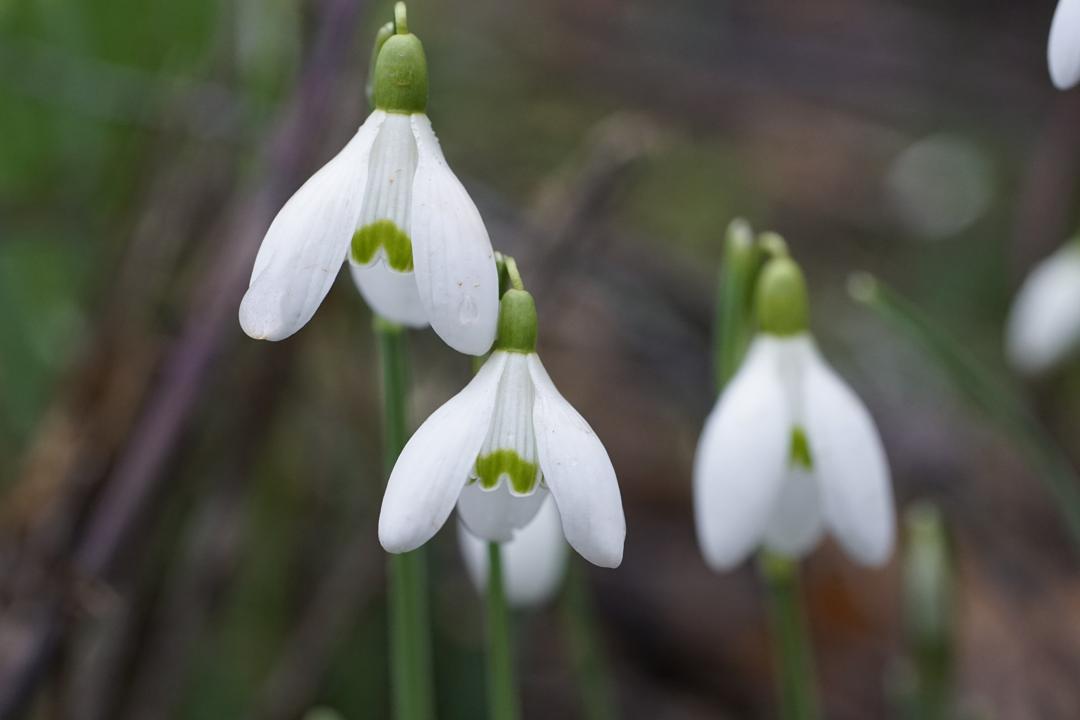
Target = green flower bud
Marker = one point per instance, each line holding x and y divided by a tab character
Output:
400	77
782	305
517	322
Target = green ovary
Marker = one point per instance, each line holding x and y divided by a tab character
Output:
523	474
383	234
800	449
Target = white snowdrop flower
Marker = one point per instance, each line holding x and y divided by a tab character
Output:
789	450
498	448
533	563
1044	323
1063	50
388	200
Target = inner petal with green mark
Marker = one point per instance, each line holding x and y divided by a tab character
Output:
800	449
509	451
383	239
522	475
385	210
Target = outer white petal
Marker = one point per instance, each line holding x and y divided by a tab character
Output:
796	524
497	514
742	458
454	262
1063	50
435	463
578	471
1044	325
534	562
307	242
390	294
850	466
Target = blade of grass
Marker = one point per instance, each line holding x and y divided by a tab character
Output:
983	390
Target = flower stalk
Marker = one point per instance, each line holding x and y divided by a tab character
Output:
589	663
929	617
503	700
410	636
791	643
734	301
739	289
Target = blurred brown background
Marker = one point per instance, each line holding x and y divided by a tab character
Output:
187	524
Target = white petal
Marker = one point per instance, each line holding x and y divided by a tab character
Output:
850	466
512	424
1044	324
578	471
307	242
742	458
435	464
497	514
1063	50
391	172
534	562
796	524
455	266
390	294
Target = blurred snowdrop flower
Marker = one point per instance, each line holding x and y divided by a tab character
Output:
533	563
388	200
1044	324
497	449
789	450
1063	50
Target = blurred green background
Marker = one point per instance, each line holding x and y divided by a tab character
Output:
144	148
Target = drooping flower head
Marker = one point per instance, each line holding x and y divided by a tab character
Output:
789	451
1044	323
498	448
1063	49
419	250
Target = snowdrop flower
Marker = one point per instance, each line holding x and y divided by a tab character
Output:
388	200
534	562
1044	324
498	448
1063	50
789	450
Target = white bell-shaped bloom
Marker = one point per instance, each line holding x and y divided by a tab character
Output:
496	449
788	452
1044	324
389	201
1063	50
533	563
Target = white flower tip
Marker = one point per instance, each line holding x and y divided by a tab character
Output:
875	554
398	537
1063	50
608	555
1044	323
720	556
261	314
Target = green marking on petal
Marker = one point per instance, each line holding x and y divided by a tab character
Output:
800	449
522	474
385	234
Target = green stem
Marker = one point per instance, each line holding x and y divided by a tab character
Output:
381	37
928	615
503	702
410	632
590	665
791	642
988	394
734	301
